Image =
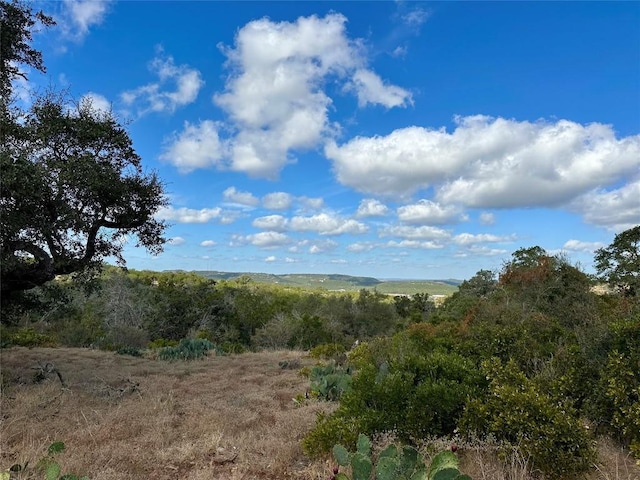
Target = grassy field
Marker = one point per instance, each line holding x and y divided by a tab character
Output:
227	417
345	283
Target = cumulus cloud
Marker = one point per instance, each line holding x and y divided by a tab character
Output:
271	259
316	247
266	240
487	218
428	212
360	247
277	201
326	224
617	209
177	86
480	251
240	198
580	246
370	89
78	16
488	162
428	245
274	96
424	232
276	223
470	238
175	241
197	146
311	203
370	207
208	243
188	215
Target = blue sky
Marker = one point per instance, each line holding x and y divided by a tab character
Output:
389	139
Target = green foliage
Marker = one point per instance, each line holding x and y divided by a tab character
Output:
330	382
46	466
131	351
162	343
395	463
544	427
619	263
26	337
327	351
411	394
187	349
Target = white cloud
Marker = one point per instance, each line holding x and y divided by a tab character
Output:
274	96
156	97
617	209
480	251
580	246
265	240
175	241
241	198
370	88
487	218
325	224
311	203
208	243
78	16
276	223
370	207
428	245
188	215
428	212
270	259
424	232
489	162
360	247
470	238
322	247
290	260
277	201
197	146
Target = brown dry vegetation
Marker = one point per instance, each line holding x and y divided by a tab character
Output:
230	417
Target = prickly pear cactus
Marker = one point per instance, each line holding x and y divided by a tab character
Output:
395	463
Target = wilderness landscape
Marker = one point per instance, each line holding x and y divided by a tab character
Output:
532	372
317	153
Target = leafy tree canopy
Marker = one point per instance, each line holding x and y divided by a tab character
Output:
73	190
619	263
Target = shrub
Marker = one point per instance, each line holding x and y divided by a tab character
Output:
161	343
131	351
187	349
327	351
544	427
412	395
27	337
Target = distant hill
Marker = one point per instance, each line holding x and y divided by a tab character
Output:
347	283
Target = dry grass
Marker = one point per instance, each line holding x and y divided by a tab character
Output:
130	418
225	418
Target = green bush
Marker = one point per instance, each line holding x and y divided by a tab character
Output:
27	337
187	349
131	351
327	351
161	343
412	395
545	428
